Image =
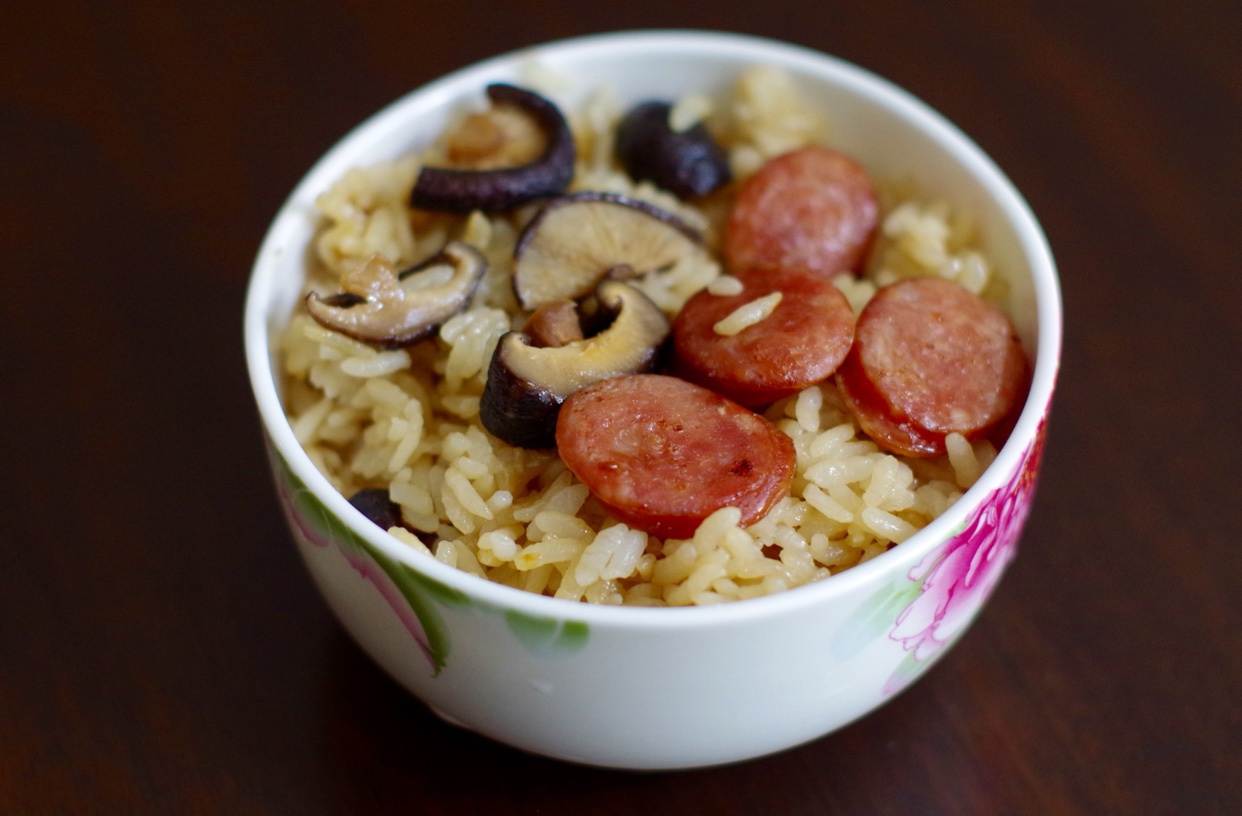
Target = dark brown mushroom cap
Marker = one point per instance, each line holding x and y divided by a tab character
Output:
526	384
393	309
457	190
687	162
574	241
375	504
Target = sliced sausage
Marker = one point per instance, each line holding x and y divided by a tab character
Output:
931	358
801	342
663	454
813	207
878	419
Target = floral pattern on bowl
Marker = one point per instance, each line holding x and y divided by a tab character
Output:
933	604
956	578
415	599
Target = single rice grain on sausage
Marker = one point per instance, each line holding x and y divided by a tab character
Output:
800	343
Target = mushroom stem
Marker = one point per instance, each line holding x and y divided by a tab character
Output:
526	384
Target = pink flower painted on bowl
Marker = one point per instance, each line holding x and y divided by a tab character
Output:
414	599
956	579
408	596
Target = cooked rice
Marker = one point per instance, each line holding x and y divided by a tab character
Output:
725	286
689	111
408	420
748	314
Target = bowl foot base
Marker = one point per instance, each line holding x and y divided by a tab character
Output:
448	718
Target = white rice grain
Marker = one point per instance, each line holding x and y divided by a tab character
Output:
409	539
845	470
831	439
536	580
379	365
471	468
830	552
465	493
408	440
888	485
335	341
858	291
726	286
887	526
387	394
689	111
555	524
705	571
644	594
501	544
962	459
748	314
306	426
568	500
827	505
457	514
548	551
676	565
499	501
445	552
613	554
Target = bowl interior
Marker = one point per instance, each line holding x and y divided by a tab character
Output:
892	134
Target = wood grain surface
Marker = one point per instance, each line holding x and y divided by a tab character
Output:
162	649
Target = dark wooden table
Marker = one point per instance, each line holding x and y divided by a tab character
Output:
162	649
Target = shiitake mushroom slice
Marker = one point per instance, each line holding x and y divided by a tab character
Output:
374	503
393	309
526	384
686	162
503	188
574	241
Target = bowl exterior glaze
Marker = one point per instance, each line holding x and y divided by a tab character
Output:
670	688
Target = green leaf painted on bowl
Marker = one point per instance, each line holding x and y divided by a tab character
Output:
412	589
443	593
874	618
548	637
407	590
413	592
907	671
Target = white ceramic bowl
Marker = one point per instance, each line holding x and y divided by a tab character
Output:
669	688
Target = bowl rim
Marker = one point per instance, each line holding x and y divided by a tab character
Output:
744	49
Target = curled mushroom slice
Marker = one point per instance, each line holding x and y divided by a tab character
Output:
374	503
503	188
393	309
575	241
688	162
526	384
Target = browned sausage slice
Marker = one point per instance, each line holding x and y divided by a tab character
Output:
930	358
877	418
663	454
799	343
813	207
